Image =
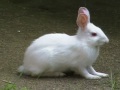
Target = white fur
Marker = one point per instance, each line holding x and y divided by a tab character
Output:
56	53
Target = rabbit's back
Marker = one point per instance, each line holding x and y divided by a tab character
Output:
51	40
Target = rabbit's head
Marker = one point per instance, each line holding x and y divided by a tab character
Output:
87	31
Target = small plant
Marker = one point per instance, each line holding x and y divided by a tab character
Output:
113	82
12	86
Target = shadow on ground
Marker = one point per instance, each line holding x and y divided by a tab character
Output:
22	21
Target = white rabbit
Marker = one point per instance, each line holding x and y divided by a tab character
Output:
57	53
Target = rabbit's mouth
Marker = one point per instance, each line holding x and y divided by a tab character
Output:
101	43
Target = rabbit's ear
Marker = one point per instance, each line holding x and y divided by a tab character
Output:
85	11
83	17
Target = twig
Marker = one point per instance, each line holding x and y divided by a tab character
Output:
7	81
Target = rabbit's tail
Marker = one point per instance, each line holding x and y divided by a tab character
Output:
21	69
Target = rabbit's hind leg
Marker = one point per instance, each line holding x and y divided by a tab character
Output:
56	74
35	72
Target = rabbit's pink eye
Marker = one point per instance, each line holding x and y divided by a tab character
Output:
94	34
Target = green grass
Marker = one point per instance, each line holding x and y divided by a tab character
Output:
113	82
12	86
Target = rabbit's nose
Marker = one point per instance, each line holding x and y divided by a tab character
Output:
107	40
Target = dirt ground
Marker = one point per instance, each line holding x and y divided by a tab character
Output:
22	21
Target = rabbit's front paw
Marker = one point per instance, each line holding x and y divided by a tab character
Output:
102	74
93	77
